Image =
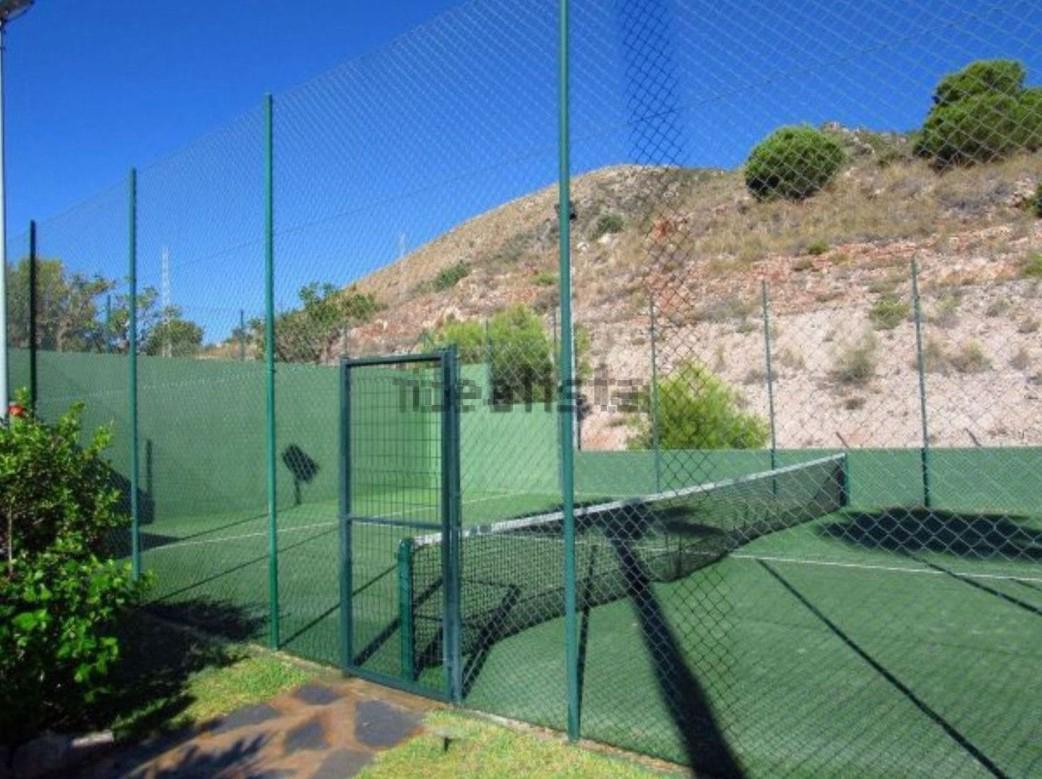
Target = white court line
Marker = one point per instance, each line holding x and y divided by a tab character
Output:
885	568
327	523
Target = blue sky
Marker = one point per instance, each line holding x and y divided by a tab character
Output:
385	139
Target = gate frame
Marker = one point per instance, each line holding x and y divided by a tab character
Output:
447	360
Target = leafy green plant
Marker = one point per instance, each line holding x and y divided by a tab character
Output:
545	278
60	594
856	363
817	248
449	277
888	312
607	224
696	410
1036	201
981	114
793	163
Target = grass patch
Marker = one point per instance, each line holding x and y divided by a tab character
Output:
459	745
545	279
1032	267
607	224
818	248
888	312
970	358
856	363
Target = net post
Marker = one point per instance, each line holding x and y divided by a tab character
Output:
770	370
924	449
269	358
565	411
135	512
33	387
108	324
655	442
242	335
406	614
345	576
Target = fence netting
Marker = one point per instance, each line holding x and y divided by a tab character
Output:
806	269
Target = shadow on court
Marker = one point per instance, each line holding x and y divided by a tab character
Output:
914	531
704	743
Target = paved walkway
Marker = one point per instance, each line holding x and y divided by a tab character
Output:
319	731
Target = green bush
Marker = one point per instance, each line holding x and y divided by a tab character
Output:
451	276
792	162
696	410
1036	201
60	595
1032	267
888	312
984	77
606	224
817	248
981	114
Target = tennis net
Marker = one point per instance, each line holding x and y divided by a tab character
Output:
512	571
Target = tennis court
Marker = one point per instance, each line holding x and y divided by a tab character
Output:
795	626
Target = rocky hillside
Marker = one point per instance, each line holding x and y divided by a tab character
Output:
837	268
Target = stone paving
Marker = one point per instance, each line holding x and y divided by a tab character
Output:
318	731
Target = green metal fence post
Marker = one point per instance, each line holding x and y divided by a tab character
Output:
565	400
346	576
269	357
770	373
655	443
33	388
135	514
242	335
924	450
451	522
108	324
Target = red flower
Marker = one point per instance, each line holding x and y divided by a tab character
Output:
16	410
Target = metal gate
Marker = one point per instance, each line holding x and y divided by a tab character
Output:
399	521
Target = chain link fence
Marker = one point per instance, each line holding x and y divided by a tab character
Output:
760	498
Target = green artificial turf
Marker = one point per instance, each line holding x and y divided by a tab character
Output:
858	645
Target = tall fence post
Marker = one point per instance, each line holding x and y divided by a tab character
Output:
565	410
655	442
108	324
920	361
33	269
135	510
269	359
242	335
770	372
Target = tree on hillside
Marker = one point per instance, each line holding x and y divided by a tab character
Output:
519	350
66	307
982	113
696	410
326	312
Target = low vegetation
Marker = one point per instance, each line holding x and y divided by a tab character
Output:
793	163
61	592
889	311
696	410
449	277
856	363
